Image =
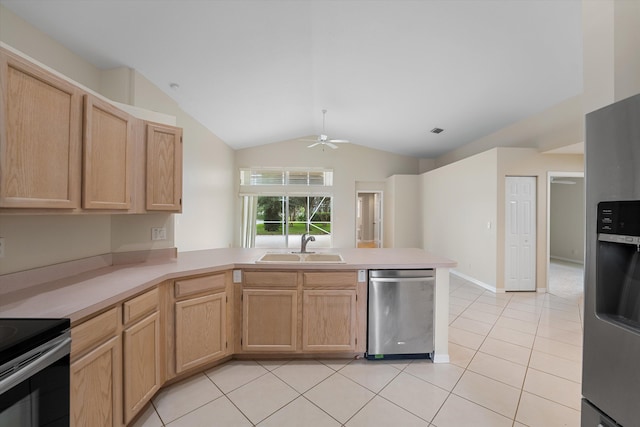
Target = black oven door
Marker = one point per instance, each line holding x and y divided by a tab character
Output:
37	394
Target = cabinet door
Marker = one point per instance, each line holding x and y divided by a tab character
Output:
164	168
96	386
141	364
107	154
329	320
269	320
201	330
40	137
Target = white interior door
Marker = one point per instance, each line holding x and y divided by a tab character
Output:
520	233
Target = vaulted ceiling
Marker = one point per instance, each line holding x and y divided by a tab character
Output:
258	72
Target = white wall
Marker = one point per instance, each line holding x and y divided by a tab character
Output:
402	207
567	220
611	42
459	200
354	166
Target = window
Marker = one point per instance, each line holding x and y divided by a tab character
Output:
279	205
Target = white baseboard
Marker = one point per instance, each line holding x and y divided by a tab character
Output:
441	358
477	282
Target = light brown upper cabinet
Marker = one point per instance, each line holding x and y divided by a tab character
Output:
40	138
164	168
108	155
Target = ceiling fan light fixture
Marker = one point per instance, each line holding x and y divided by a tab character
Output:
437	130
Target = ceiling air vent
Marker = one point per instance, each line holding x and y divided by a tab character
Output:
436	130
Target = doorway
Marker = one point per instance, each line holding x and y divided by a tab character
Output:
565	234
520	233
369	219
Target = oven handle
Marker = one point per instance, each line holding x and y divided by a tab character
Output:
47	358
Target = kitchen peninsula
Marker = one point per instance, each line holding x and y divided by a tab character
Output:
167	318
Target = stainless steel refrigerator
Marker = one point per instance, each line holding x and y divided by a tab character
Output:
611	359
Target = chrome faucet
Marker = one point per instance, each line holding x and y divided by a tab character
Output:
303	243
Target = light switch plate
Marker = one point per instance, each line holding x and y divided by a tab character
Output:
237	276
362	276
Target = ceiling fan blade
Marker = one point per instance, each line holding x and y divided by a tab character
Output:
334	146
339	141
308	140
314	144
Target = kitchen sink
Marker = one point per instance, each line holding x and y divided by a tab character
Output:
291	258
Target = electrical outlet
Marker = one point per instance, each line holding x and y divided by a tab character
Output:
2	246
158	233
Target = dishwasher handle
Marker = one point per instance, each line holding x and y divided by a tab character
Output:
401	279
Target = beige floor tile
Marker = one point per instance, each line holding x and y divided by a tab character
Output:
461	302
565	368
271	364
535	411
262	397
298	413
370	374
554	388
235	373
573	338
486	308
521	315
399	364
494	299
219	413
565	325
480	316
562	305
474	326
465	338
452	318
498	369
339	397
459	412
464	295
444	375
507	351
456	309
181	398
459	355
335	364
551	314
416	396
303	374
516	305
491	394
518	325
512	336
557	348
380	412
148	418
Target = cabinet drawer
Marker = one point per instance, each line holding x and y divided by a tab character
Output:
287	279
198	285
341	279
137	307
94	331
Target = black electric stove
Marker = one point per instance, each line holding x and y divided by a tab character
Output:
18	336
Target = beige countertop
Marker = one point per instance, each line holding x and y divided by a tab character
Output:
82	295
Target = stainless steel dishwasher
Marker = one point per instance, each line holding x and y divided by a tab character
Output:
400	314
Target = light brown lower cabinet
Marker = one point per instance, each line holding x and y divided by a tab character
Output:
96	387
201	327
329	320
269	319
141	356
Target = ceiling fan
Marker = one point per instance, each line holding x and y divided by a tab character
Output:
323	139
